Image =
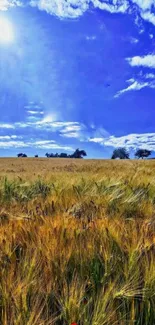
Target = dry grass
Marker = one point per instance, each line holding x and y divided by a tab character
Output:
77	242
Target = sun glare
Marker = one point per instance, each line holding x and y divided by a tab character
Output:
6	31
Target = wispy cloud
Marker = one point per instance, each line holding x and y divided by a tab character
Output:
13	144
48	131
134	86
50	144
149	76
9	137
91	37
72	131
142	80
134	40
83	132
7	142
97	140
130	141
7	126
42	124
35	112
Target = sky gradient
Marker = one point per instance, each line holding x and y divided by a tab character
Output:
77	74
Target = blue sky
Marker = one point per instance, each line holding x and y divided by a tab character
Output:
77	74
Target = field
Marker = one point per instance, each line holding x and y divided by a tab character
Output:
77	242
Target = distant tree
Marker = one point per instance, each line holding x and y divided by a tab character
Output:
36	156
78	154
142	153
63	155
83	153
21	155
120	153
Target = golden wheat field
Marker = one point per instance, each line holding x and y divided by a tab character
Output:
77	242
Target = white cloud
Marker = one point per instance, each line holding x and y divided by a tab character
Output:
83	132
7	142
134	86
131	80
143	80
149	16
76	8
91	38
72	131
60	126
54	147
114	6
50	144
71	128
6	4
150	76
71	135
62	8
13	144
134	40
45	124
49	119
64	129
97	140
33	118
131	141
8	137
7	126
43	142
144	4
145	61
35	112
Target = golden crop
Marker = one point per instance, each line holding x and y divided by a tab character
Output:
77	242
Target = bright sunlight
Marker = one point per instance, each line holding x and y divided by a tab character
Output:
6	31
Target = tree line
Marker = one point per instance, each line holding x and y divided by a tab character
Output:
119	153
78	154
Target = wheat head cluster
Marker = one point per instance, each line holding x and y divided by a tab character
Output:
77	242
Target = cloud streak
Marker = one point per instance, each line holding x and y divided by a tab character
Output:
130	141
134	86
7	142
